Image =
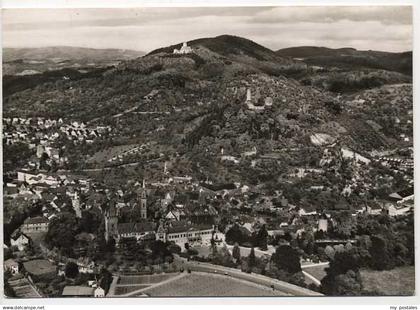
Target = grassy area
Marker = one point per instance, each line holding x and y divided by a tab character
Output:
121	290
399	281
317	271
102	157
203	284
145	279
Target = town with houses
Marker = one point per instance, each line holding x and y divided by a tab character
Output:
87	214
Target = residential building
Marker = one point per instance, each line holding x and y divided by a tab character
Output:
35	224
19	240
11	265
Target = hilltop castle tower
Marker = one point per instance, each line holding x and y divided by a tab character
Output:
248	95
185	49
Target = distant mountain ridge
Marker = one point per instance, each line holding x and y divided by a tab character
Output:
29	61
312	51
68	52
351	58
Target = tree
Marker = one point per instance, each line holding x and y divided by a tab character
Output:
236	253
346	224
381	258
105	279
223	257
89	222
261	238
252	260
62	231
286	258
348	284
159	250
236	235
343	276
72	270
330	252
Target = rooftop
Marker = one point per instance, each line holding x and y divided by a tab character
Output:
78	290
140	227
36	220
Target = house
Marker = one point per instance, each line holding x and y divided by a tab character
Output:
169	197
85	265
307	211
99	292
230	158
393	209
203	214
19	240
11	265
402	196
175	213
323	224
253	152
35	224
374	208
181	179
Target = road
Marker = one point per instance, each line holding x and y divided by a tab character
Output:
258	253
110	168
311	277
315	265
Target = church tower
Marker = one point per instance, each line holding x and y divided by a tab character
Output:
111	222
76	205
143	202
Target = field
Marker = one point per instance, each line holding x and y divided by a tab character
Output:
121	290
144	279
104	156
399	281
204	284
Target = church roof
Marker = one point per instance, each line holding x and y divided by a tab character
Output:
184	226
77	290
36	220
204	210
140	227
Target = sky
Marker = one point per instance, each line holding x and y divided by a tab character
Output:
386	28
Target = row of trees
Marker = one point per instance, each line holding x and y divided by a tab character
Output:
241	236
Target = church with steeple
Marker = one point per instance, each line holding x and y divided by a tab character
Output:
136	224
143	202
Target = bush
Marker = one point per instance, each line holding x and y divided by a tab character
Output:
174	248
72	270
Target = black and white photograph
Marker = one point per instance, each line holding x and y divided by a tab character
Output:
241	151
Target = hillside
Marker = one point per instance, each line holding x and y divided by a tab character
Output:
194	105
349	58
313	51
229	46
